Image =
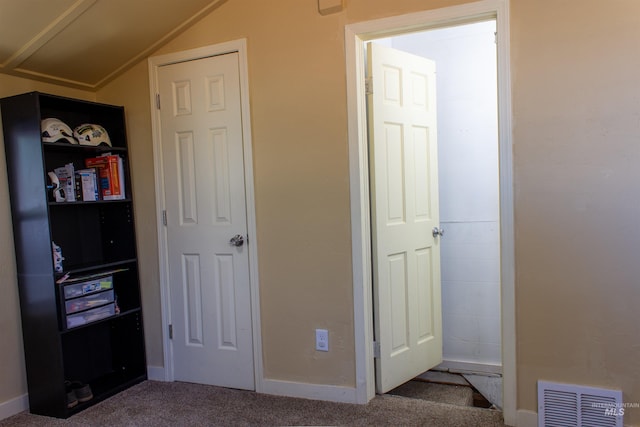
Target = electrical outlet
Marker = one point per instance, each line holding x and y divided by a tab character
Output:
322	340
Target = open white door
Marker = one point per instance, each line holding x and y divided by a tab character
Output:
404	211
206	222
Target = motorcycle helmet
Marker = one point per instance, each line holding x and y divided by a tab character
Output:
55	130
90	134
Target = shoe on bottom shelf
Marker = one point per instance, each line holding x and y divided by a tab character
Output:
82	391
72	400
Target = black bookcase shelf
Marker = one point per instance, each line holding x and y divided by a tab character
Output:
97	238
128	200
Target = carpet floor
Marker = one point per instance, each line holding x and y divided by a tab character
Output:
153	403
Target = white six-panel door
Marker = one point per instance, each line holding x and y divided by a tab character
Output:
404	211
202	156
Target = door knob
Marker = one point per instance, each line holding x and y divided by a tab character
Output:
237	240
437	232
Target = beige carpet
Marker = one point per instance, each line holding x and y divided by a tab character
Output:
180	404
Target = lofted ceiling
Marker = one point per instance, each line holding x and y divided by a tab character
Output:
87	43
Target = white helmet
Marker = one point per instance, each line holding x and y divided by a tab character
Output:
54	130
90	134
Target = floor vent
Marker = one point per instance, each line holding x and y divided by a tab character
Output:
566	405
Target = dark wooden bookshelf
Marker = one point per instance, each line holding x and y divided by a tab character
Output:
95	236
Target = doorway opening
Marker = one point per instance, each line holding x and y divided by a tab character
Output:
469	205
356	36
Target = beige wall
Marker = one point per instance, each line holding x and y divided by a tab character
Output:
576	104
13	381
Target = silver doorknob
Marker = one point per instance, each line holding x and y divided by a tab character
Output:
237	240
437	232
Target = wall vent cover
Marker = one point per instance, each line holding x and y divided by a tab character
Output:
568	405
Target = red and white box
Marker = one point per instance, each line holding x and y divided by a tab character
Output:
110	175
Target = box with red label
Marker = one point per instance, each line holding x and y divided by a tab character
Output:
110	176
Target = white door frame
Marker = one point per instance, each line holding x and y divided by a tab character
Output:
239	46
355	37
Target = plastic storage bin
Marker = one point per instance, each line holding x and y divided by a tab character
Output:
89	301
88	287
89	316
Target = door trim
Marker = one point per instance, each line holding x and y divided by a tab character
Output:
239	46
355	37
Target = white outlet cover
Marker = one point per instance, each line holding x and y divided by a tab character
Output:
322	340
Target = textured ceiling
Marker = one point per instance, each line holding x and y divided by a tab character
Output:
86	43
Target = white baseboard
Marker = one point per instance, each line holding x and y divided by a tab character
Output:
309	391
156	373
526	418
14	406
469	367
